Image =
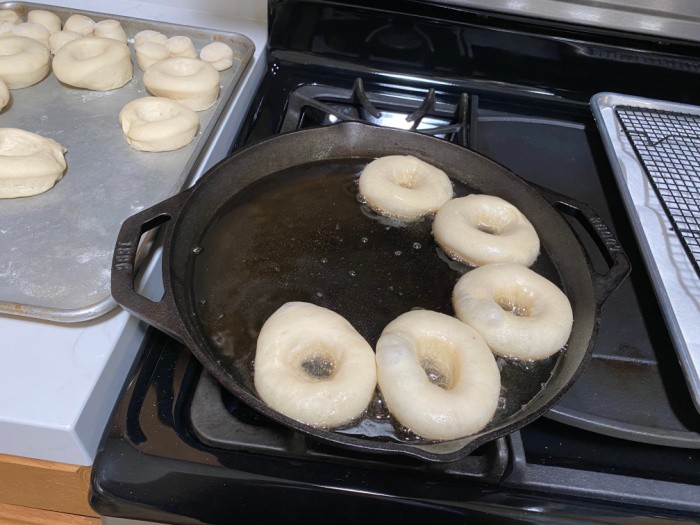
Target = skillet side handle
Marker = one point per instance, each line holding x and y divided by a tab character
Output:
161	314
616	258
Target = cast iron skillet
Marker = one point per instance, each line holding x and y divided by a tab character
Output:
189	215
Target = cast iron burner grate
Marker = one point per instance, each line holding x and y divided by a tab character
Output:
668	145
425	113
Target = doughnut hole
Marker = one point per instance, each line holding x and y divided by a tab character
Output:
494	220
519	301
156	111
319	366
439	360
87	50
408	179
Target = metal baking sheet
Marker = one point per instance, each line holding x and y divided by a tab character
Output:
56	248
674	278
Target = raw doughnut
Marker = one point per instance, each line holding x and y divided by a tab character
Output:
23	61
519	313
218	54
148	53
29	163
110	29
189	81
158	124
311	365
8	15
60	39
80	24
4	95
180	46
482	229
148	35
46	18
464	396
6	28
93	63
404	187
34	31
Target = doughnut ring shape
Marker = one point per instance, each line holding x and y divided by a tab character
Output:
98	64
23	61
29	163
422	341
519	313
483	229
33	30
404	187
191	82
300	337
158	124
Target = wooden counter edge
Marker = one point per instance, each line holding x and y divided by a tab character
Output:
14	515
46	485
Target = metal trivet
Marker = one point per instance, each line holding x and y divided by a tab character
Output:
668	146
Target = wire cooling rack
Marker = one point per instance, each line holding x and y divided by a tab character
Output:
668	146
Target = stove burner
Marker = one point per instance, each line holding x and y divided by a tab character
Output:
221	421
316	105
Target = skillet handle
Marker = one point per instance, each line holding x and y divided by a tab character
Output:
162	314
618	262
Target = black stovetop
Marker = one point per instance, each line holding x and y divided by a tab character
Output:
179	449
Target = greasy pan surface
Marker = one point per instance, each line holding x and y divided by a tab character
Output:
279	221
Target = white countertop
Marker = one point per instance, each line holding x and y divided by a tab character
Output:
59	382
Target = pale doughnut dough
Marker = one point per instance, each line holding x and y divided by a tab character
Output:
23	61
80	24
95	63
180	46
519	313
404	187
148	53
148	35
442	344
110	29
4	95
218	54
6	28
297	335
29	163
482	229
158	124
189	81
60	39
49	20
8	15
34	31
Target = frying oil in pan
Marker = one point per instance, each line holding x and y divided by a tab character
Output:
303	235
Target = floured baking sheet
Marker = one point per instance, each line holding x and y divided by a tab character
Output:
56	248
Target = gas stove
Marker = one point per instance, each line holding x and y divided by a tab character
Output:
622	443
